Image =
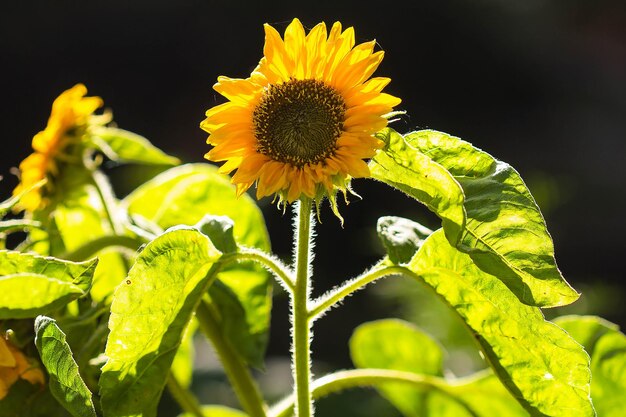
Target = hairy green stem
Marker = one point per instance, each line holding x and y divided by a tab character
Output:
236	370
90	248
183	397
341	380
301	349
105	193
282	274
328	300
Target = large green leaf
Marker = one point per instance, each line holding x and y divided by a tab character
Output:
607	347
185	195
417	175
400	346
541	365
124	146
31	284
149	313
65	382
397	345
503	231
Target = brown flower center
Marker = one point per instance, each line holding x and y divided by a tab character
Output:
299	122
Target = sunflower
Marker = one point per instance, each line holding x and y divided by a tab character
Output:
70	115
303	122
15	365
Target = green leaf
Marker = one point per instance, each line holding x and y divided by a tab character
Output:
540	364
607	347
31	285
65	382
401	237
217	411
124	146
239	312
182	366
77	216
486	210
415	174
398	345
482	395
505	233
26	400
149	313
185	195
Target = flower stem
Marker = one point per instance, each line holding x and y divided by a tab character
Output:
183	397
301	353
238	373
341	380
282	274
333	297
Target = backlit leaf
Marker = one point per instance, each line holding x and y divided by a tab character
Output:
65	383
486	208
185	195
540	364
149	313
124	146
417	175
31	284
607	347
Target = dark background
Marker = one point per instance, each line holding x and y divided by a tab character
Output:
538	84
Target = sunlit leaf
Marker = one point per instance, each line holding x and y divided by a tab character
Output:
31	285
149	313
540	364
182	366
76	216
124	146
397	345
503	229
607	347
400	346
65	382
185	195
417	175
217	411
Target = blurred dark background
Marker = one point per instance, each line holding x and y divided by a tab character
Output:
539	84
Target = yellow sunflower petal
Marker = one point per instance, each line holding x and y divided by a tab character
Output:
303	122
295	47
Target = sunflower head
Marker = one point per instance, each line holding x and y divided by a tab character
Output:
15	365
70	116
302	124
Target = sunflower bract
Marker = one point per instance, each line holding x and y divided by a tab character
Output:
70	110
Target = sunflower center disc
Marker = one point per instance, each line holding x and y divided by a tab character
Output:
299	122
